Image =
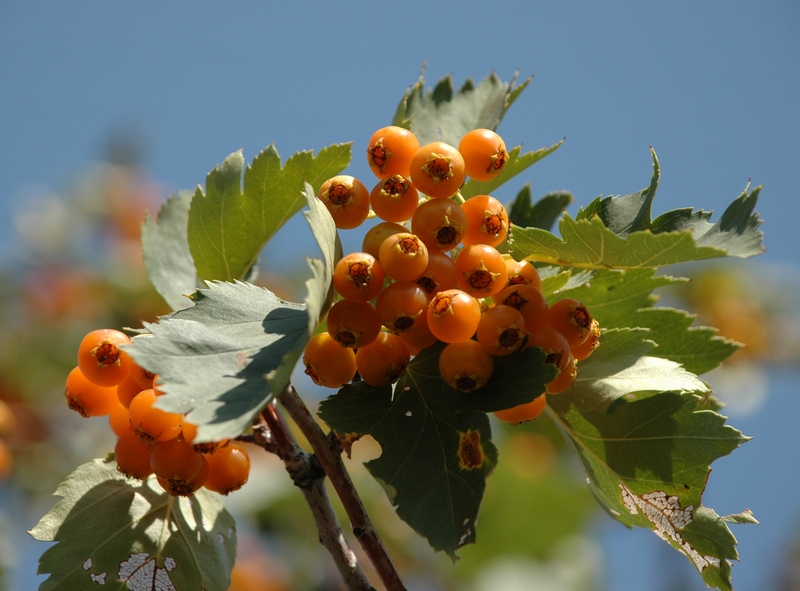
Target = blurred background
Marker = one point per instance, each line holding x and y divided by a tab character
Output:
107	108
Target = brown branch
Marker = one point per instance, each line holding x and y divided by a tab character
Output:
273	434
329	451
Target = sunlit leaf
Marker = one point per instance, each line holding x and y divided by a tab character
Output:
110	533
165	248
443	114
230	224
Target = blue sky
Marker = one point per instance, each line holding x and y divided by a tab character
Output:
713	86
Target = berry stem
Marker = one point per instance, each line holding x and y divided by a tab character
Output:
328	450
274	435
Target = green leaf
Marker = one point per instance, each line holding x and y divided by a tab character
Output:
617	232
165	248
436	441
212	359
441	114
589	244
228	225
736	232
110	532
543	214
647	459
321	294
620	299
221	361
624	215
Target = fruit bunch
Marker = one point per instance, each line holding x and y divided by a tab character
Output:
430	271
108	382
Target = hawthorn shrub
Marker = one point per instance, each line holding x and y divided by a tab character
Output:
458	314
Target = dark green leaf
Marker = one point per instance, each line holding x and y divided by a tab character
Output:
110	534
543	214
624	215
228	225
436	441
165	248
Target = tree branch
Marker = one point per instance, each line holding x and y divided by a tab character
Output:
329	451
307	474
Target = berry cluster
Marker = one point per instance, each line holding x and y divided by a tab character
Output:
430	271
107	382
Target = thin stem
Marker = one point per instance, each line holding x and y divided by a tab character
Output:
307	474
329	451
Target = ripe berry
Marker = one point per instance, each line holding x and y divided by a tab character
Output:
177	462
587	347
358	276
571	318
375	236
88	398
390	151
119	420
127	389
353	324
465	365
440	224
482	270
384	360
565	379
228	468
523	273
133	457
487	220
437	169
528	300
523	412
327	362
403	256
453	316
400	305
439	275
501	330
101	359
153	425
394	199
347	200
484	154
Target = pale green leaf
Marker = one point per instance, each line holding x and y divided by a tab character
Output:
110	533
165	249
212	359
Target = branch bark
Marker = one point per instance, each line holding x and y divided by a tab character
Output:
273	434
328	451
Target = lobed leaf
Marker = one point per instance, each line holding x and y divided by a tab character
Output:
443	114
647	450
212	359
221	361
229	225
623	299
110	531
436	441
165	249
618	232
